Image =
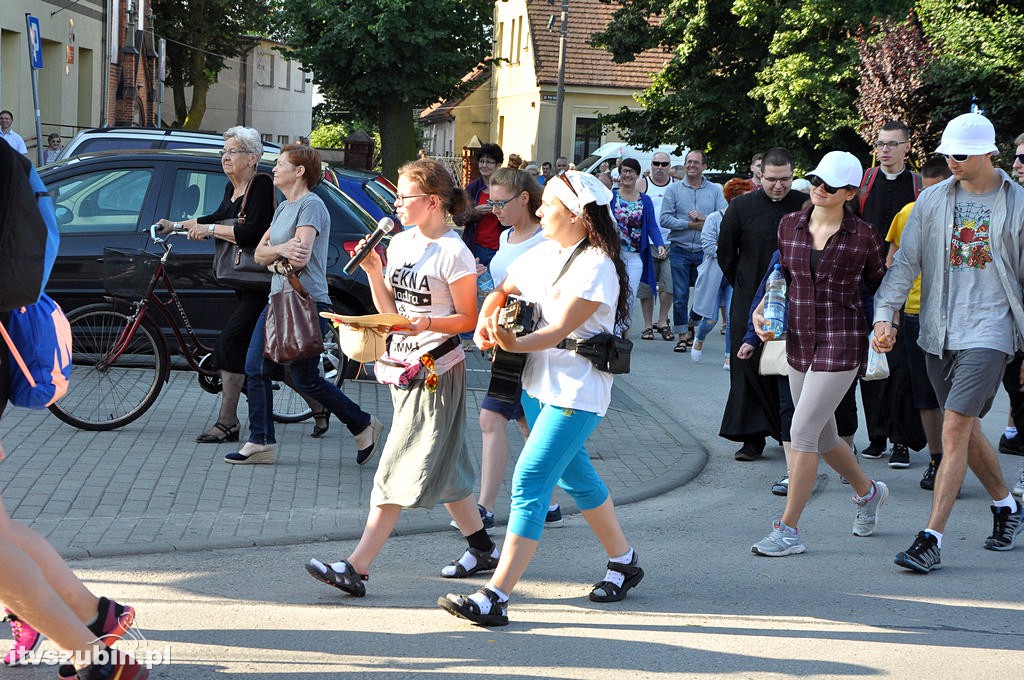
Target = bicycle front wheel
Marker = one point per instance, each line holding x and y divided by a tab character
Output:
289	406
106	394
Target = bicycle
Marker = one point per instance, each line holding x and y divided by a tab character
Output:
120	356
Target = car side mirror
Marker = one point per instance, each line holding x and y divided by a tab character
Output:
64	215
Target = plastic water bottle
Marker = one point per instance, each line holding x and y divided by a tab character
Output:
484	282
775	303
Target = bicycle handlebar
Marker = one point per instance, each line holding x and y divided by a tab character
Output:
160	239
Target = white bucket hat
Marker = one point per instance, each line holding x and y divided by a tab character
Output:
839	169
971	134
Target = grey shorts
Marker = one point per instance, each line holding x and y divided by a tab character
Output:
966	380
663	274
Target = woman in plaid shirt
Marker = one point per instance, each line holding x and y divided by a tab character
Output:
827	254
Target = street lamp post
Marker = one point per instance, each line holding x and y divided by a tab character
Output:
560	93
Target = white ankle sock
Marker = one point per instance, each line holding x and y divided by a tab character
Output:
617	577
339	567
1010	432
866	497
483	602
938	537
1007	502
552	508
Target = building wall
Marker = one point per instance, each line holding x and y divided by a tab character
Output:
262	90
473	117
70	95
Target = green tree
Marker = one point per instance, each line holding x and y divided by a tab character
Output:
382	59
701	98
978	62
201	35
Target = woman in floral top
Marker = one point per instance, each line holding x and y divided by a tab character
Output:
638	229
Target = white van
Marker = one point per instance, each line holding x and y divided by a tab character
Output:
612	150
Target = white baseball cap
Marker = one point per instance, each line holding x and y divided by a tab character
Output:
839	169
971	134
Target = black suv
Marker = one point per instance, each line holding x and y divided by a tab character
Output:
111	199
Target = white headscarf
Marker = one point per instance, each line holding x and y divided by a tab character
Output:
585	189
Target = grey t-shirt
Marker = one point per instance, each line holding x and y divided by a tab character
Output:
977	311
306	211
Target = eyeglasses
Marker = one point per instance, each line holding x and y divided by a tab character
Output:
656	164
500	205
887	145
399	198
819	182
231	152
1020	158
487	161
958	157
776	180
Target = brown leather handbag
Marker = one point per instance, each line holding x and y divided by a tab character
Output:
292	324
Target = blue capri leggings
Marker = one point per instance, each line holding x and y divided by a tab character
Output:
554	453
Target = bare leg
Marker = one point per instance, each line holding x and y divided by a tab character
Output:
931	422
605	525
516	554
984	463
842	460
647	309
665	306
803	468
494	459
379	525
956	436
787	449
465	514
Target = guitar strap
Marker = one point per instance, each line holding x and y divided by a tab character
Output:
565	267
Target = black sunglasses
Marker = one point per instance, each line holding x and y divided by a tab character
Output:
1020	158
819	182
958	157
659	165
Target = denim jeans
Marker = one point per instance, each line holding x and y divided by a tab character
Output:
707	325
305	379
684	275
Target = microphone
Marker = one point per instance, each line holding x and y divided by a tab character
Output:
384	227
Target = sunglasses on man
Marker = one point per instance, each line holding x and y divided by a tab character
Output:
959	157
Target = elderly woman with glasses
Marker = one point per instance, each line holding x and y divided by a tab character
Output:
242	151
826	254
578	282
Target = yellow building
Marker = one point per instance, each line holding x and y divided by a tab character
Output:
515	104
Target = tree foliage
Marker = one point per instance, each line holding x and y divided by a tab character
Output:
895	57
747	74
201	35
382	59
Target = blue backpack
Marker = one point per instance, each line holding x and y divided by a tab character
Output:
39	339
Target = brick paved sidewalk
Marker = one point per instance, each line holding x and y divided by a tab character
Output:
149	487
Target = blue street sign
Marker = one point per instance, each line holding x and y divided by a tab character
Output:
35	43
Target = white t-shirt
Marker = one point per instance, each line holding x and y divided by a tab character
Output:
657	194
557	376
419	271
508	252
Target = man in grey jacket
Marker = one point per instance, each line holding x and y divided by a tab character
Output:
964	236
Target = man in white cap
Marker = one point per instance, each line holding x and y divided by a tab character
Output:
964	237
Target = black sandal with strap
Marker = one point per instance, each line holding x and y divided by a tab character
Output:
465	608
485	561
648	334
318	429
349	580
230	434
606	591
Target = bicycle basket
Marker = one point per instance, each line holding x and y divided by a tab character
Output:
128	272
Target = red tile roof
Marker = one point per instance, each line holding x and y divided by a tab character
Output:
442	111
585	65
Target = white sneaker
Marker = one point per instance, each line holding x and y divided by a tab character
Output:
368	441
1018	489
867	511
695	355
782	541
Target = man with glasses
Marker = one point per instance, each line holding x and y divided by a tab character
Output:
888	411
683	210
655	187
964	238
748	237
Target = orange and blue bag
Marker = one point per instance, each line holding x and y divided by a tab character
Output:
39	339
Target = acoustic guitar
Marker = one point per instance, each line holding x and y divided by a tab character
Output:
519	316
